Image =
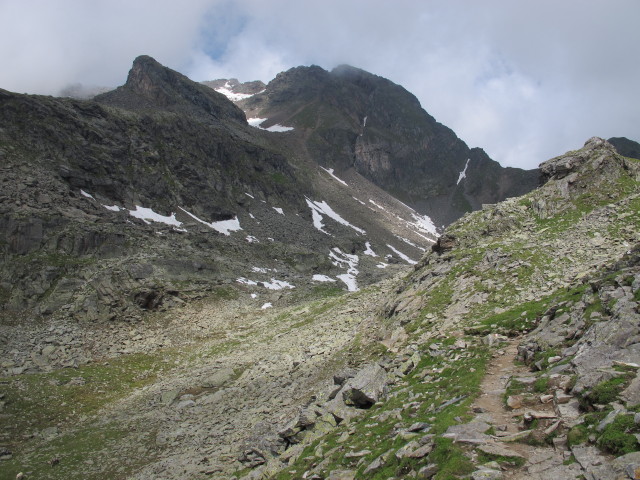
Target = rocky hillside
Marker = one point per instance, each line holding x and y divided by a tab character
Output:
415	377
184	295
551	279
159	192
352	119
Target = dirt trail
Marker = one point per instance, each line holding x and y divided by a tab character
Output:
541	462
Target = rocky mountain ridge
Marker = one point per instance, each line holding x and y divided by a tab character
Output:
159	192
352	119
166	315
397	379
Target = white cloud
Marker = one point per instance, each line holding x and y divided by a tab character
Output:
524	80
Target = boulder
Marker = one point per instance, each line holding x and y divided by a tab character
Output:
472	432
366	388
218	378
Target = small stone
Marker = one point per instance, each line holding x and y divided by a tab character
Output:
533	415
5	453
167	398
562	397
514	402
185	404
498	450
219	378
358	454
341	475
406	450
546	398
428	471
421	452
560	443
419	427
487	474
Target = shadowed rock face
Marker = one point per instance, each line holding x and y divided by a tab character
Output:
153	86
353	119
626	147
73	173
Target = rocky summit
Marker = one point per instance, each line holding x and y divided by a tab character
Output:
250	281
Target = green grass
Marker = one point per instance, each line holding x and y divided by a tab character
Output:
501	459
577	435
35	402
376	429
617	437
607	391
451	460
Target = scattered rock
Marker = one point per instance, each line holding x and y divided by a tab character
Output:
472	432
367	387
219	378
487	474
498	450
428	471
341	475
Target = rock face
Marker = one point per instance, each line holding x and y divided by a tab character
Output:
122	205
153	86
626	147
358	120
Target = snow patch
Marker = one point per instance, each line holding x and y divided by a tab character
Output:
463	173
369	251
424	222
348	261
252	239
113	208
322	208
266	305
359	201
409	242
330	172
224	226
231	95
249	195
263	270
277	284
382	265
147	215
273	284
278	128
321	278
279	210
379	206
254	295
402	255
256	122
85	194
349	280
364	122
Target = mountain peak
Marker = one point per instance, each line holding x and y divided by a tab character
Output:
151	85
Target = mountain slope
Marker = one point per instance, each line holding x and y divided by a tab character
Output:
353	119
561	263
374	384
159	191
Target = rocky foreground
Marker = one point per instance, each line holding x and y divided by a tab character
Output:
510	351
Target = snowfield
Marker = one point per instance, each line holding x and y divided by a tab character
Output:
318	209
256	122
224	226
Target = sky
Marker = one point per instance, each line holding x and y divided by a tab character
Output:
524	80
